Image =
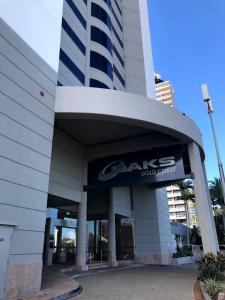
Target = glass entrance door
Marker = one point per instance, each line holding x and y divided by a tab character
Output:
64	244
98	240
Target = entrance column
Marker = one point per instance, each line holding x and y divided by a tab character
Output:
204	208
81	242
112	231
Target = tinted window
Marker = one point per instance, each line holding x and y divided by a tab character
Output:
108	2
117	36
118	55
101	37
101	14
118	7
71	66
98	84
118	75
73	36
77	12
101	63
117	20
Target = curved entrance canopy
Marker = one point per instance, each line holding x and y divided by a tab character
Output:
113	130
95	116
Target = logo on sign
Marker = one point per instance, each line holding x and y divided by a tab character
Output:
152	167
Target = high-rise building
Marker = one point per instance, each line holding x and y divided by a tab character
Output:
83	163
164	91
102	42
181	211
178	210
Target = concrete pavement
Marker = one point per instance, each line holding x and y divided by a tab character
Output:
140	283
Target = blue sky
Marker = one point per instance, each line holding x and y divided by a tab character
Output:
188	41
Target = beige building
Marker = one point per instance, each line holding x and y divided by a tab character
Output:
164	91
177	208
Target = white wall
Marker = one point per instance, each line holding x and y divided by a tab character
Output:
66	168
26	130
138	52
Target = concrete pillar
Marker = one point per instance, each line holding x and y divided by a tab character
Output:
205	216
81	242
151	225
112	231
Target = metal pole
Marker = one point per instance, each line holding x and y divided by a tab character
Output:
207	100
188	223
220	165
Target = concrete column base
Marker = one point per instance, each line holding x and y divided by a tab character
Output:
113	262
81	268
153	258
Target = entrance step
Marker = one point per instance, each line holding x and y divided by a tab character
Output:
98	265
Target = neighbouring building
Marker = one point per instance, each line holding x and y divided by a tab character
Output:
84	163
181	211
164	91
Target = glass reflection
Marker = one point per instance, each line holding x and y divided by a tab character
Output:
97	240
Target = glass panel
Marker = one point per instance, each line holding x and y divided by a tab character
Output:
125	238
103	240
98	240
99	13
101	63
68	237
99	36
91	239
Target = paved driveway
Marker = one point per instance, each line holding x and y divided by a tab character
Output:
140	283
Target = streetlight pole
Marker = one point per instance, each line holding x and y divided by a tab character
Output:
208	102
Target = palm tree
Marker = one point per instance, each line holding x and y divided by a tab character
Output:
187	190
187	193
216	195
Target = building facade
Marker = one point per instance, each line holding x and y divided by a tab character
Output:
102	42
74	184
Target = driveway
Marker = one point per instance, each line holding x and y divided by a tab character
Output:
140	283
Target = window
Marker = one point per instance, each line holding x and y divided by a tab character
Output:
119	76
101	63
117	20
77	13
98	84
73	36
117	36
101	37
101	14
109	3
118	55
118	7
71	66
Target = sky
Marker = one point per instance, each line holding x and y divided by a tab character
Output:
188	41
